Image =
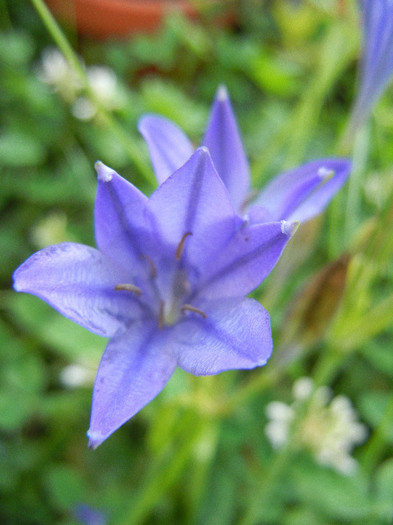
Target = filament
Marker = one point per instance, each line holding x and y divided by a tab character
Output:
180	246
190	308
129	288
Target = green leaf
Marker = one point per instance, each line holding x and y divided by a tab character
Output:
18	149
331	494
65	487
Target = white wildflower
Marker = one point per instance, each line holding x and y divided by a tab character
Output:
52	229
83	109
56	72
76	374
302	388
329	429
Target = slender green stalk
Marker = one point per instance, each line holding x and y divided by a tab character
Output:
60	40
62	43
352	212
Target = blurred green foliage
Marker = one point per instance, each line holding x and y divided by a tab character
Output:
198	454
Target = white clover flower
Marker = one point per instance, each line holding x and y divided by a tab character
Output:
50	230
106	87
302	388
281	417
329	430
56	72
107	90
83	109
77	374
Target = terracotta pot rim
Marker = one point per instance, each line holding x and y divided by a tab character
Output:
121	18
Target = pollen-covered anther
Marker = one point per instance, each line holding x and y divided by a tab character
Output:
190	308
180	246
129	288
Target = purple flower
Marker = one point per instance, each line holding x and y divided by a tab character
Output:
377	62
89	516
297	195
167	284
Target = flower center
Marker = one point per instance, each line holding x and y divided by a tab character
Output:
175	305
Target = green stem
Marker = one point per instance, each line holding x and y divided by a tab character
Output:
355	184
60	39
62	43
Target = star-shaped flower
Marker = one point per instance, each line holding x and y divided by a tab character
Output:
296	195
167	284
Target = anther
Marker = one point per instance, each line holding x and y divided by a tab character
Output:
153	269
129	288
180	246
190	308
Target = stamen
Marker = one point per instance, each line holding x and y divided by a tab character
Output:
180	246
129	288
153	268
190	308
161	315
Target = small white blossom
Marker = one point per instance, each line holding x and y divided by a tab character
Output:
106	87
50	230
83	109
302	388
329	429
56	72
75	375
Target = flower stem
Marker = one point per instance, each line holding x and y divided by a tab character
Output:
62	43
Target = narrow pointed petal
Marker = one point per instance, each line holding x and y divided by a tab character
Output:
135	367
120	227
223	141
77	281
377	63
194	200
235	335
169	147
302	193
246	260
